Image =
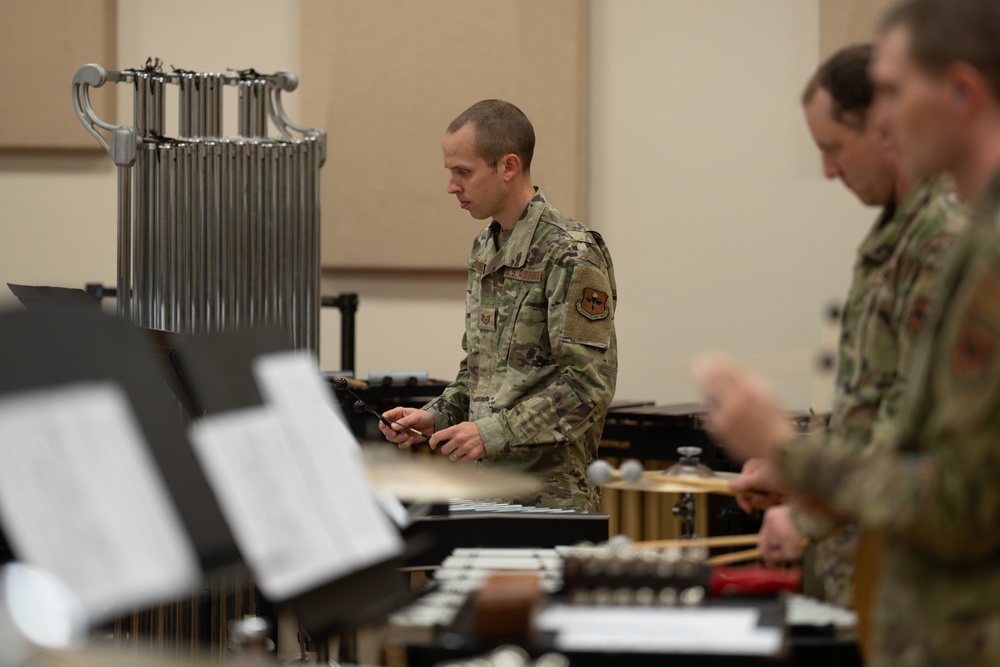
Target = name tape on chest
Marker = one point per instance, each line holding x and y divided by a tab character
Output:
527	275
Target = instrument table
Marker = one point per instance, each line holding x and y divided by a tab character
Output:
497	525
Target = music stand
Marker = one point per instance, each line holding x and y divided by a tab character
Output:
218	373
46	347
62	299
52	298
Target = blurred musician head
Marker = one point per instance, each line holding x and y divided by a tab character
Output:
838	103
487	152
937	73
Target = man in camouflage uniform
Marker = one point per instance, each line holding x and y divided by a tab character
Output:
932	493
896	269
541	358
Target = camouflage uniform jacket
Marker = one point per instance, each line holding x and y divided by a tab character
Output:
541	356
933	492
896	270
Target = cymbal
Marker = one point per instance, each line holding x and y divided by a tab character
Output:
436	479
658	482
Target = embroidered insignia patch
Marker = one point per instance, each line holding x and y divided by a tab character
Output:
594	304
488	319
972	351
916	320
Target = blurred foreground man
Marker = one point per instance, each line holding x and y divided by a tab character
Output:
933	494
896	270
541	357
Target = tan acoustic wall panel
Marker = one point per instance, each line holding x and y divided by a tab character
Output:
42	44
844	22
385	77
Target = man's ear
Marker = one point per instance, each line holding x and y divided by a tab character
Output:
968	87
510	165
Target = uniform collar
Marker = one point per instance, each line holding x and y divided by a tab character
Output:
515	251
988	210
882	240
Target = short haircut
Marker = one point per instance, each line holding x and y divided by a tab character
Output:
844	76
501	129
943	32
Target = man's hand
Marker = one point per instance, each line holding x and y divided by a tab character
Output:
407	417
745	417
461	442
779	540
755	486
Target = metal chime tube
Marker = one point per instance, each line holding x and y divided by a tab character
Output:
238	229
253	107
312	250
124	285
253	231
197	311
287	190
227	238
210	105
211	197
184	239
164	250
301	278
189	101
272	229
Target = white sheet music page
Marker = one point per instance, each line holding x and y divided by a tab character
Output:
290	383
81	496
290	481
708	630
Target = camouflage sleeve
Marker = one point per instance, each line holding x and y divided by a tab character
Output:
915	284
936	490
810	525
452	406
580	315
924	500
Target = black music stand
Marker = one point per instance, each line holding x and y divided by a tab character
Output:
52	298
52	346
62	299
217	371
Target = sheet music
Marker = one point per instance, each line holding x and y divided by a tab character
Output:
81	497
708	630
291	483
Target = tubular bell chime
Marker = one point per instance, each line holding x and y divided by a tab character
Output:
214	233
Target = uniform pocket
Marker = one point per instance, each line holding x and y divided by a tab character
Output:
522	343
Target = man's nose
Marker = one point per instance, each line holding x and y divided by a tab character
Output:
453	187
880	116
830	169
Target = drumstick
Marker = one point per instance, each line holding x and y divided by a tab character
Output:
735	557
711	484
707	542
740	556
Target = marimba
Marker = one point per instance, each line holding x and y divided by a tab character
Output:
439	624
484	524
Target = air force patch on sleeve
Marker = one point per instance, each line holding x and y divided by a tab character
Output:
589	313
594	304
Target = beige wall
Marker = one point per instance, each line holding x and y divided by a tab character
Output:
703	180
